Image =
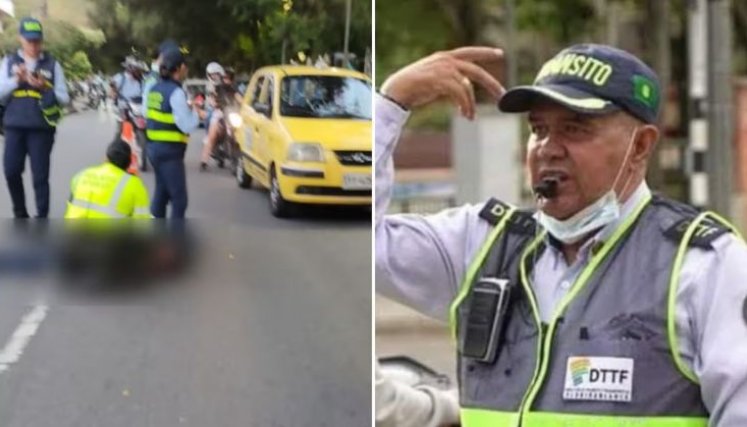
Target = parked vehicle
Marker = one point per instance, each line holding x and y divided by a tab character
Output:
305	134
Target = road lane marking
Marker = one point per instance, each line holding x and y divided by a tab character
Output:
21	336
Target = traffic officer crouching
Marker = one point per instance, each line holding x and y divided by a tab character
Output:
107	191
170	120
606	304
32	85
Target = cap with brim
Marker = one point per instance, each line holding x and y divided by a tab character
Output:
167	45
172	59
522	98
30	29
591	79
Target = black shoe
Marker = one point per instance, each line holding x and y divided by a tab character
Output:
203	167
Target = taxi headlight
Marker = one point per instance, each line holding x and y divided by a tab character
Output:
234	119
305	152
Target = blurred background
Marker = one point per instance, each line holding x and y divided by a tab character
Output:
697	47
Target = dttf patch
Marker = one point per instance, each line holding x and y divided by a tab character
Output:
608	379
521	222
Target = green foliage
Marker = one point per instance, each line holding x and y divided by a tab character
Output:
243	33
77	66
564	21
406	31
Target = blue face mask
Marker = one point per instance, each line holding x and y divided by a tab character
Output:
602	212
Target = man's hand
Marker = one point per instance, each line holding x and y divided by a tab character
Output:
446	74
21	72
37	82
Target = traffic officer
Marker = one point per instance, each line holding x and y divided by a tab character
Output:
170	120
153	76
32	85
107	191
606	305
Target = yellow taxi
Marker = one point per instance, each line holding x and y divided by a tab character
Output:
305	134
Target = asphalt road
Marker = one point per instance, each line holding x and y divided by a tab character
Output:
271	328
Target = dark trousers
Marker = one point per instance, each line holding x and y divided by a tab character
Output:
171	178
37	144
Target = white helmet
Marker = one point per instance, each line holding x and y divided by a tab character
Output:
214	68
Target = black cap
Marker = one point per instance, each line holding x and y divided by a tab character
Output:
119	153
167	45
172	59
592	79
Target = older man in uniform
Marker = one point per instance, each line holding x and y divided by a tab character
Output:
606	305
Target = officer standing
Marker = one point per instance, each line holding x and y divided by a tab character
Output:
154	75
107	191
170	120
32	85
606	305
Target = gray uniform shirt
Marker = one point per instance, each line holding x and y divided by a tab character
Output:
421	262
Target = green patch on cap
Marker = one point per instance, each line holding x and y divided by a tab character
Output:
32	26
644	90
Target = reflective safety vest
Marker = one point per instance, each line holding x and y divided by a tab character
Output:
609	356
28	107
160	115
106	191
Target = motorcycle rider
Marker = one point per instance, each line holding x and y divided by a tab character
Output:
224	96
214	72
129	83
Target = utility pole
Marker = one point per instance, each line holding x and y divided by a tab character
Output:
698	94
660	52
348	6
719	161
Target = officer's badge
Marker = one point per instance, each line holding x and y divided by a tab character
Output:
46	74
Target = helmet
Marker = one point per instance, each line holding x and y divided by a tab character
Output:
214	68
129	62
133	64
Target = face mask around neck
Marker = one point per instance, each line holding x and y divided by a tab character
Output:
602	212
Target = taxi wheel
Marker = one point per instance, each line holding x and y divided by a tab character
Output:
243	179
279	207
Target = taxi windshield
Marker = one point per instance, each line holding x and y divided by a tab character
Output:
325	97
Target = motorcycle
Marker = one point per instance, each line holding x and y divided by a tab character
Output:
408	372
131	111
96	95
414	373
226	149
